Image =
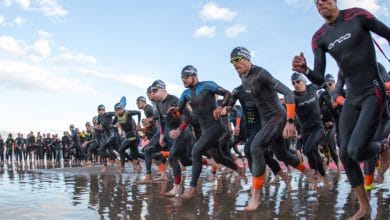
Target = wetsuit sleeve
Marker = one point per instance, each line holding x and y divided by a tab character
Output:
338	94
232	98
213	87
372	23
317	74
279	87
183	101
135	112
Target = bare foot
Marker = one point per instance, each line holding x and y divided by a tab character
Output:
384	156
287	180
379	178
275	180
189	193
210	177
120	170
163	177
362	213
326	182
254	201
313	183
175	191
147	179
241	173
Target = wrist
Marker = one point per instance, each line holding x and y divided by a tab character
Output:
290	121
307	71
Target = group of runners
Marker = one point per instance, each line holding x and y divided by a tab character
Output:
318	119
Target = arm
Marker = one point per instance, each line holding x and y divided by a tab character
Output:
135	112
372	23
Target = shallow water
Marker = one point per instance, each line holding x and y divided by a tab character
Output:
86	193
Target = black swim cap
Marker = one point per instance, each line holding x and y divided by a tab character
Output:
298	76
101	107
329	78
141	99
241	52
189	71
158	84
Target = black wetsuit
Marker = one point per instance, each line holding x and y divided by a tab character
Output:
201	97
97	139
179	148
349	42
110	137
263	88
252	122
131	138
66	142
19	146
48	148
2	151
9	143
76	145
309	114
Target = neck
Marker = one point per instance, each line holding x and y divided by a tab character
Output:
333	16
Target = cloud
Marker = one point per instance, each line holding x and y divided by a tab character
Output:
205	31
235	30
11	46
28	77
44	34
7	2
24	4
2	20
19	20
51	8
40	49
128	79
211	11
371	5
75	57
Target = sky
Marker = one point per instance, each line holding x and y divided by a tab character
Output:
60	59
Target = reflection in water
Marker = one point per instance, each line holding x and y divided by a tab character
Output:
76	193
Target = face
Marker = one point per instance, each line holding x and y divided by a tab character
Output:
326	8
241	65
119	111
156	94
101	111
140	104
188	81
299	85
331	85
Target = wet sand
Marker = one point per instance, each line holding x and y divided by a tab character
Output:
86	193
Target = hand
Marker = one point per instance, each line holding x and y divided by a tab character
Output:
217	113
174	133
161	141
225	110
328	124
172	109
289	130
299	63
236	131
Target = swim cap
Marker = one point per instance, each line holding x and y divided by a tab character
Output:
241	52
298	76
141	99
189	71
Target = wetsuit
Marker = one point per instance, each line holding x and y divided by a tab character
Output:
9	143
110	137
179	148
263	88
131	138
57	149
48	143
252	121
66	142
348	41
39	148
1	151
97	138
76	145
19	145
309	114
201	97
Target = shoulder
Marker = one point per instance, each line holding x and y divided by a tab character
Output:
356	12
317	35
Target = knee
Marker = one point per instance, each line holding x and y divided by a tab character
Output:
355	153
196	154
256	151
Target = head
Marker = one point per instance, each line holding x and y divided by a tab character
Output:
299	82
88	126
149	93
146	123
141	102
240	57
101	110
44	135
330	82
328	9
189	76
9	135
71	127
94	121
158	91
119	110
